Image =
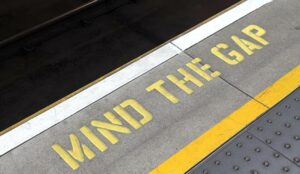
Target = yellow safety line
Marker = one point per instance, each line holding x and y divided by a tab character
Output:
208	142
280	89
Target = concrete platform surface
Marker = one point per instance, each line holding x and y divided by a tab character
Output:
176	94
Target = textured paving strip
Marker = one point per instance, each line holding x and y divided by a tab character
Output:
269	145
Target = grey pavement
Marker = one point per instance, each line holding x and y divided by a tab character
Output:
281	21
173	125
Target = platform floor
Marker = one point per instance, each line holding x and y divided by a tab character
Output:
177	109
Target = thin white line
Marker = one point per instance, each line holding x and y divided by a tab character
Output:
49	118
200	33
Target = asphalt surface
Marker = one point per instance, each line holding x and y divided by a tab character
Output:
47	65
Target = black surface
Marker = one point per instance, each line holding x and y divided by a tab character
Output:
52	63
17	16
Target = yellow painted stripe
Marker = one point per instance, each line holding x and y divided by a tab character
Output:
280	88
208	142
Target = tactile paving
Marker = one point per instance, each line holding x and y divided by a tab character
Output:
280	127
270	145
